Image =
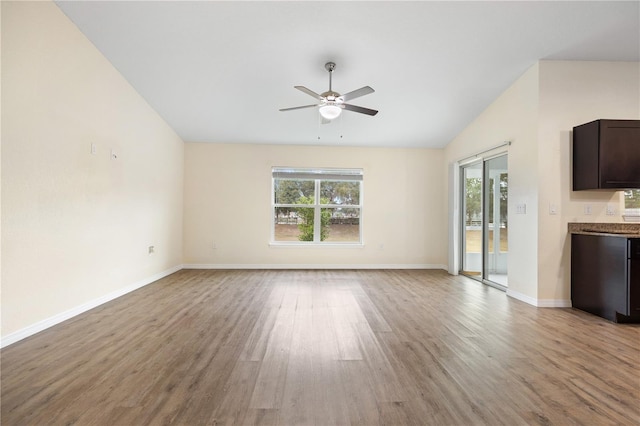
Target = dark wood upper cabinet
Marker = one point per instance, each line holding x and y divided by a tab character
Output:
606	155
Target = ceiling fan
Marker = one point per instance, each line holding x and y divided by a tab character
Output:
332	103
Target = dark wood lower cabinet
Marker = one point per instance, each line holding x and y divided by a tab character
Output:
605	276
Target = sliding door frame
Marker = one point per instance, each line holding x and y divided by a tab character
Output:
465	269
485	223
456	207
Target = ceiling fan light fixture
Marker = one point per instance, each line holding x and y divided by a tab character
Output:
330	111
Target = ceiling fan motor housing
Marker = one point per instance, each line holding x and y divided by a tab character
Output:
331	96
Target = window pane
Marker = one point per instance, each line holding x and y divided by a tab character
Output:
500	219
342	225
288	191
293	224
632	202
339	192
299	196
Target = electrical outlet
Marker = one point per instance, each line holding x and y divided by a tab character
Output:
152	249
94	148
521	208
587	209
553	209
611	210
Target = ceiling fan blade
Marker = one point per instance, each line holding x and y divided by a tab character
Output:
357	93
300	107
359	109
309	92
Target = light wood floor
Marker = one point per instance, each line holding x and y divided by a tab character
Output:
324	347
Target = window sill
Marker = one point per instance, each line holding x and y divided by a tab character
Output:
315	245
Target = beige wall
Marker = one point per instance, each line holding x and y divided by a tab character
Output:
228	201
76	226
511	117
573	93
537	113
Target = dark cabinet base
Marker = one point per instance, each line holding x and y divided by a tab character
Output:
604	280
626	319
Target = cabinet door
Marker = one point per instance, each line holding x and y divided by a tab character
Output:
634	277
599	275
586	153
619	154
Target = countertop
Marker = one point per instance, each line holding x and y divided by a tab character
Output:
622	230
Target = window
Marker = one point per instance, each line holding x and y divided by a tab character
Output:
632	204
316	206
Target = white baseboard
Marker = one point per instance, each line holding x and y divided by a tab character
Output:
540	303
522	297
63	316
312	266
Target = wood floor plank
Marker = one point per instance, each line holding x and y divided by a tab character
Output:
260	417
323	347
371	314
396	413
272	376
346	333
330	406
359	393
299	388
256	345
234	406
385	382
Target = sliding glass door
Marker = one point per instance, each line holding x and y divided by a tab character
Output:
472	220
484	227
496	247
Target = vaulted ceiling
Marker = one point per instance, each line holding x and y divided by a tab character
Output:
220	71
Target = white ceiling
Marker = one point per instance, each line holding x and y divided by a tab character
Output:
219	71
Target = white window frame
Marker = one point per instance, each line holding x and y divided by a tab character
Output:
317	175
